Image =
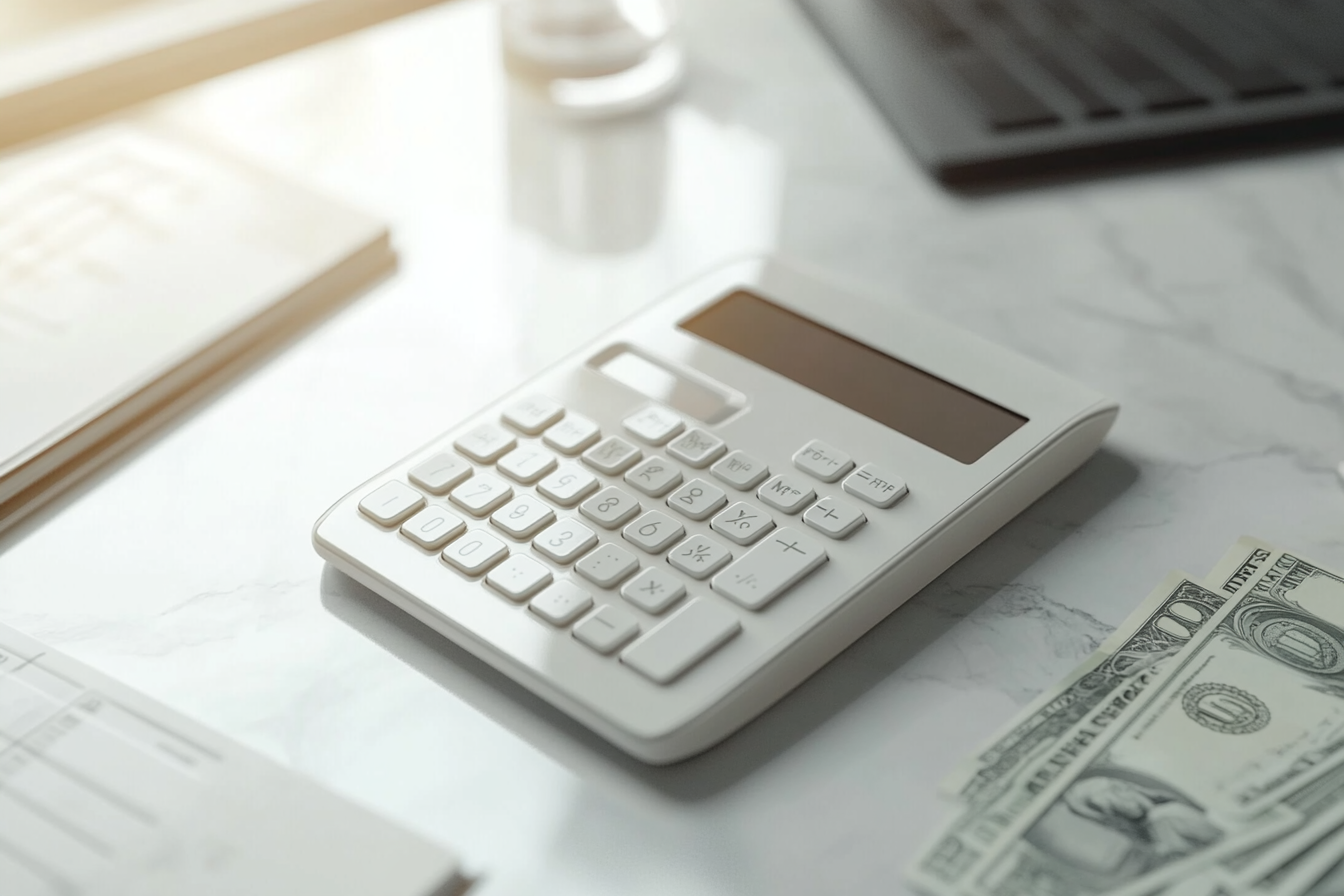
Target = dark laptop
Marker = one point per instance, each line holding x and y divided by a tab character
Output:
982	90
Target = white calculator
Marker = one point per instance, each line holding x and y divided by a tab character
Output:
668	531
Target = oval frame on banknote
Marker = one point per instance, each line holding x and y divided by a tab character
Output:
1289	636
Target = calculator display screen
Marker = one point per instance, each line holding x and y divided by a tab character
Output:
929	410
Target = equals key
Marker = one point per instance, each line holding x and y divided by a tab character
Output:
875	485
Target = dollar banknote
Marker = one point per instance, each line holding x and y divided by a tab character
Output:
1217	754
1012	771
1161	625
1279	575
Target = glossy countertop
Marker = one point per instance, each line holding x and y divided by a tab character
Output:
1207	299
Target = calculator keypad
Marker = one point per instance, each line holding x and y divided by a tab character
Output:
694	626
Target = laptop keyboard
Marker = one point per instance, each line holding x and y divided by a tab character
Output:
1037	64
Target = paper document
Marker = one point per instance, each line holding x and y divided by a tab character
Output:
103	791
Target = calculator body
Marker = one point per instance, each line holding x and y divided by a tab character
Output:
992	432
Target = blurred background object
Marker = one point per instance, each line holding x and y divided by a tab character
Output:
592	58
66	61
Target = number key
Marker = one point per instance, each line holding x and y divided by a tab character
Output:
568	485
654	477
433	527
565	541
654	532
697	499
527	464
610	507
486	443
391	503
533	414
523	517
481	494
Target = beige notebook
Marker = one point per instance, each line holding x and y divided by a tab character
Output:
136	272
65	61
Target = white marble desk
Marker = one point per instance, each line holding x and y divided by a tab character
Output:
1209	301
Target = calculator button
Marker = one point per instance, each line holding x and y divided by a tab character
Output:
698	556
475	552
697	499
831	517
523	517
875	485
697	448
823	461
612	455
654	532
653	590
607	566
572	434
565	541
653	424
786	493
687	637
518	577
742	523
440	473
533	414
561	603
526	464
568	485
610	507
770	568
486	443
433	527
391	502
654	476
740	470
481	494
607	629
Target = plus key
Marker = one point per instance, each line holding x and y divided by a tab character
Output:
774	566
